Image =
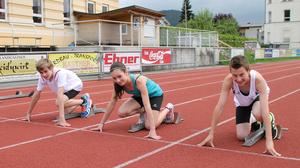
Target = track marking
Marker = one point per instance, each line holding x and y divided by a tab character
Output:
186	138
188	87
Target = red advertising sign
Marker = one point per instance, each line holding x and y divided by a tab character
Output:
131	60
156	55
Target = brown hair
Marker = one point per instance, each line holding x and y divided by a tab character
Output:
43	64
119	90
239	61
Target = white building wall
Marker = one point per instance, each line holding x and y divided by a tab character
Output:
280	32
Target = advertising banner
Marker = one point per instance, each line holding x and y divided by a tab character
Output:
18	67
132	60
80	63
156	55
259	53
298	52
237	51
275	53
268	53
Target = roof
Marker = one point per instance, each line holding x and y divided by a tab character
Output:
114	14
251	25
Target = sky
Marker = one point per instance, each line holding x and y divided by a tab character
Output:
243	10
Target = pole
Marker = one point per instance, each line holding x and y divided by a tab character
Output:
185	14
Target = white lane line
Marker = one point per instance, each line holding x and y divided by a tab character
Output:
178	74
186	138
171	90
188	87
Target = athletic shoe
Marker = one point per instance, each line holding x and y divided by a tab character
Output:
273	126
87	105
256	126
170	114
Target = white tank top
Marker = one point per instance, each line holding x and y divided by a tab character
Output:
245	100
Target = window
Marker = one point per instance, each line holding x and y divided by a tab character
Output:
268	37
286	36
2	9
269	17
67	11
270	1
37	11
149	27
287	15
124	29
91	7
105	7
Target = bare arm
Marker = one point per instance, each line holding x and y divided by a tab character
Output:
141	85
34	100
261	87
227	85
109	109
60	104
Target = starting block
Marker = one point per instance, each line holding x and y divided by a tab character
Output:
94	111
255	136
18	94
140	126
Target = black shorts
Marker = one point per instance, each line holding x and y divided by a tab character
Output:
155	102
243	113
71	93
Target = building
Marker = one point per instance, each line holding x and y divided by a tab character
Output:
253	31
282	23
44	23
132	26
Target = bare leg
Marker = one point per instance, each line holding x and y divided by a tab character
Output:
71	109
256	111
73	102
129	108
244	129
158	116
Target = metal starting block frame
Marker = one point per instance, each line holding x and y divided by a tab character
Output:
255	136
140	126
17	95
94	111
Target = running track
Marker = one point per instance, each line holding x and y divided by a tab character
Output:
194	93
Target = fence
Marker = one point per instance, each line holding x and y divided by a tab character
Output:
116	33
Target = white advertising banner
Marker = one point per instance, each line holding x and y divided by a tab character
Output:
237	51
132	60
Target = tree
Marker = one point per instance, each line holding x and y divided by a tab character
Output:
226	24
222	16
203	21
186	12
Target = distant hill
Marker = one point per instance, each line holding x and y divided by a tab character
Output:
173	16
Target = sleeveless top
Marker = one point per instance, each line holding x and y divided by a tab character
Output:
240	99
153	88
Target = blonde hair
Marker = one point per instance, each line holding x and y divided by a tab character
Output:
43	64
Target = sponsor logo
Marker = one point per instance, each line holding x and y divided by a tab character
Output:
156	56
110	58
